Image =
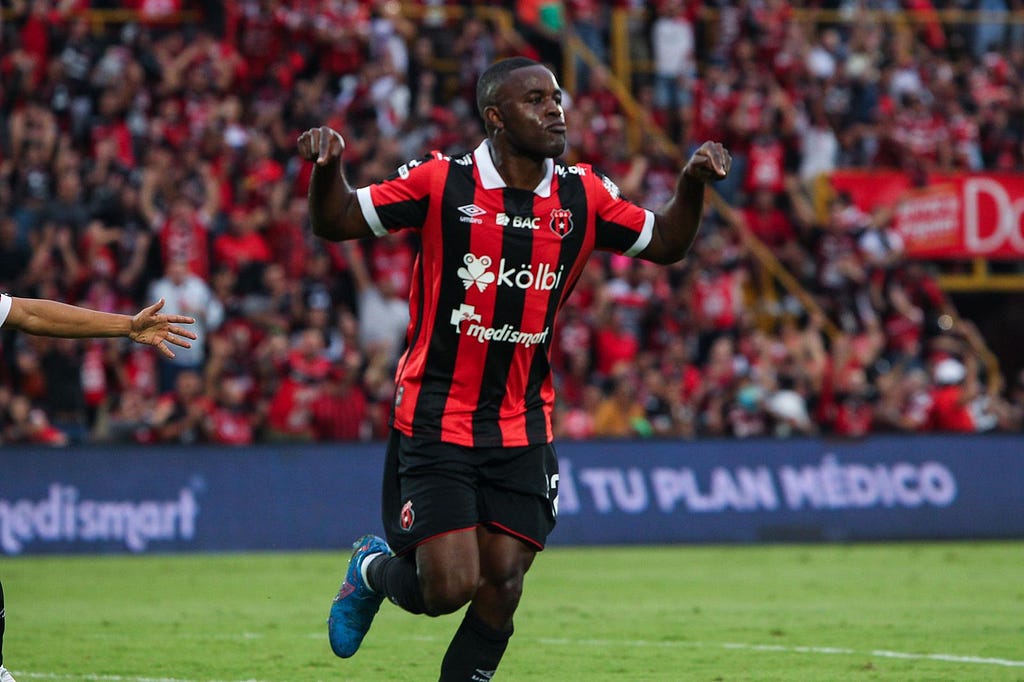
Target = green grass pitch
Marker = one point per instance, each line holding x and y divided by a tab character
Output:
913	611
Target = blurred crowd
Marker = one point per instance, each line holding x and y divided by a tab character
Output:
152	158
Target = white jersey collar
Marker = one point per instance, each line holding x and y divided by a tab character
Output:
490	178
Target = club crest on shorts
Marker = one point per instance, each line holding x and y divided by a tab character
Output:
407	517
561	222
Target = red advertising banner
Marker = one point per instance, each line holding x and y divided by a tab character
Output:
952	216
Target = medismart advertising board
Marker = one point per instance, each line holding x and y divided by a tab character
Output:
171	499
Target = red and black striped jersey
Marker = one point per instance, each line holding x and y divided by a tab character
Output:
496	264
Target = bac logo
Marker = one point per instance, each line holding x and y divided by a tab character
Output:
561	222
526	222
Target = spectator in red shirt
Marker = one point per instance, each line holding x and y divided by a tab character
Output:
391	259
854	410
956	387
30	425
243	245
615	346
576	422
286	236
716	293
340	411
290	416
765	218
256	27
231	421
903	323
110	125
35	39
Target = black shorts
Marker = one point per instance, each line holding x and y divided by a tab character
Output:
432	488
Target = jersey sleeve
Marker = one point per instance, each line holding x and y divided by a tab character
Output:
5	308
621	226
402	200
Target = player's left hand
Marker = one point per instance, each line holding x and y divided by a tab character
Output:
710	162
155	329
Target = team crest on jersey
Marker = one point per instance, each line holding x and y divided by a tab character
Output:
408	516
561	222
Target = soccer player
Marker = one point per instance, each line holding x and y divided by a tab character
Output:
51	318
471	478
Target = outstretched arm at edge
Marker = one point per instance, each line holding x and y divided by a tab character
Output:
43	317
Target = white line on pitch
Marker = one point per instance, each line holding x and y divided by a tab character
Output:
881	653
564	641
109	678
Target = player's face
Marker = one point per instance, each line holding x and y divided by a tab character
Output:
531	109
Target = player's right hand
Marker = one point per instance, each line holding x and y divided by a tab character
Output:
323	145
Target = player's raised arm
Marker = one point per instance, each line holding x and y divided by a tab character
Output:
676	224
334	211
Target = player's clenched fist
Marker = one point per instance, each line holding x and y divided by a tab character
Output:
323	145
710	162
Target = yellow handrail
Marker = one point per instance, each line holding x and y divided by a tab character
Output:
101	17
642	120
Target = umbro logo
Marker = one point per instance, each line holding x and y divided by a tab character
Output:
471	213
472	210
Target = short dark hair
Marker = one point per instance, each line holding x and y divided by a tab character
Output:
494	76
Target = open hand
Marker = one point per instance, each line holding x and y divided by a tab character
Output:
155	329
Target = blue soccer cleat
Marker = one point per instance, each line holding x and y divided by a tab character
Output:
356	604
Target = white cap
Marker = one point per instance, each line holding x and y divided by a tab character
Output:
789	405
949	371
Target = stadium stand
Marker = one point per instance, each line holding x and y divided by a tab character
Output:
151	149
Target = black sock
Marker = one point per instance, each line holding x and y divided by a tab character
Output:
396	578
475	651
2	623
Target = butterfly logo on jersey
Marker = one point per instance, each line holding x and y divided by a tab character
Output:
561	222
475	271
